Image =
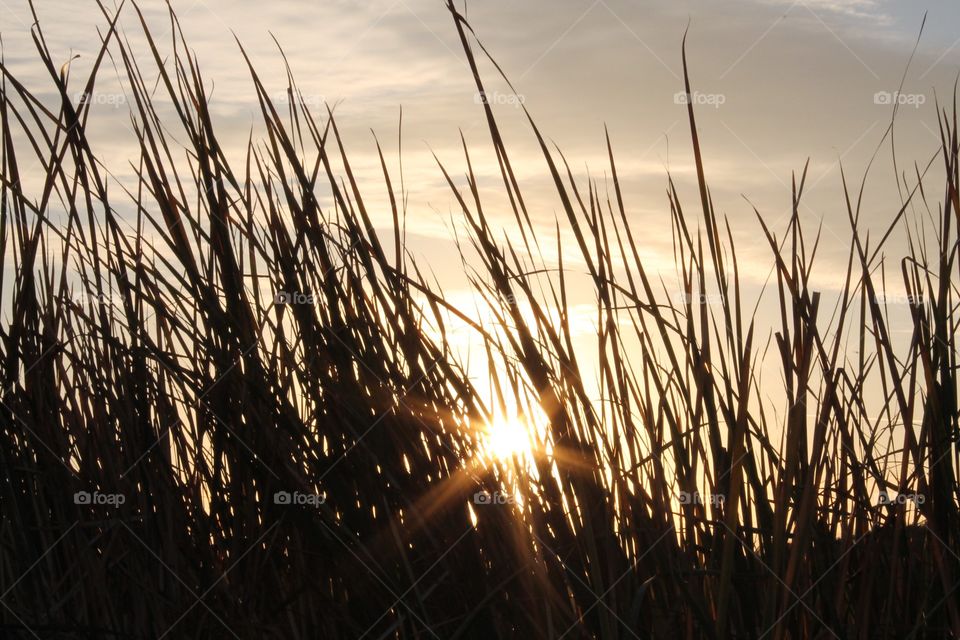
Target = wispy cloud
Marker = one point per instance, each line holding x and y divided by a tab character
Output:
871	10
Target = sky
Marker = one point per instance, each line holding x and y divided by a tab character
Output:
776	83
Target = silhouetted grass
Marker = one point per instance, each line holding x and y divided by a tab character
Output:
146	354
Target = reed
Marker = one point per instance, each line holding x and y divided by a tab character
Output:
229	411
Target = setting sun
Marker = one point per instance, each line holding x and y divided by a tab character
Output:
505	438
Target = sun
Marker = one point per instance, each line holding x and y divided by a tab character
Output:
504	439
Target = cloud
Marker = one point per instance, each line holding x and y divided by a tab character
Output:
860	9
793	88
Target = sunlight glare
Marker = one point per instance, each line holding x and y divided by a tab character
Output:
505	438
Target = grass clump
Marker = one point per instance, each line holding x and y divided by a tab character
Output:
229	411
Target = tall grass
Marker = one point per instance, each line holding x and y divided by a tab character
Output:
146	354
